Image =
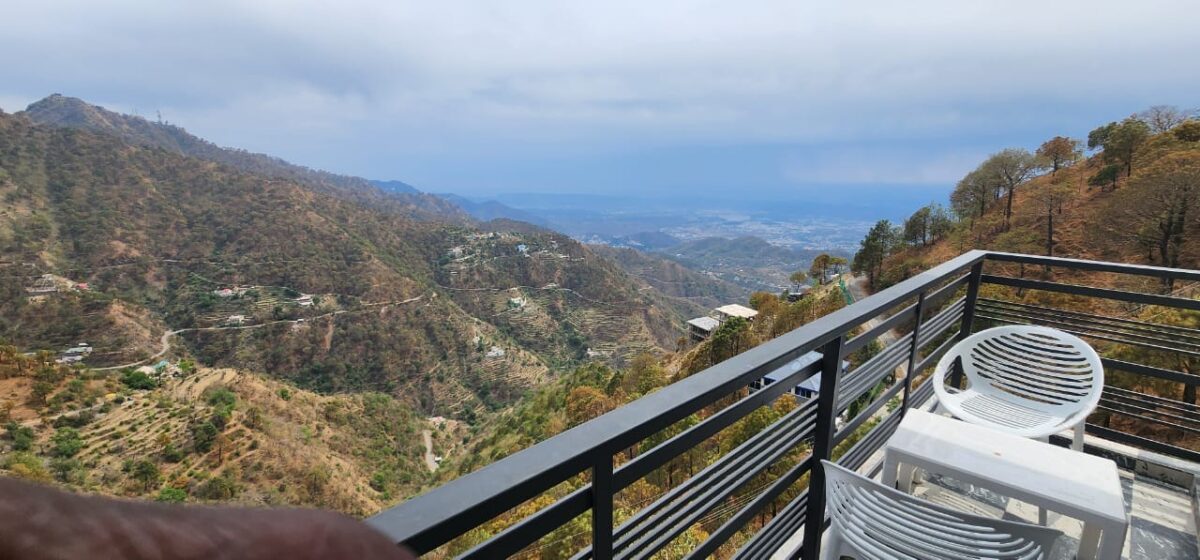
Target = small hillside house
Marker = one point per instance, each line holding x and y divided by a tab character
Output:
701	327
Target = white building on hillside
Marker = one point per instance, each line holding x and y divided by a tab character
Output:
727	312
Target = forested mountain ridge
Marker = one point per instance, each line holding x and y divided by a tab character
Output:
149	229
70	112
1135	198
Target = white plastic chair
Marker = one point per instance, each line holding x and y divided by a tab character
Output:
871	521
1025	380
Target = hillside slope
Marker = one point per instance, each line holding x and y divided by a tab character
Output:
167	233
69	112
1069	213
213	435
669	277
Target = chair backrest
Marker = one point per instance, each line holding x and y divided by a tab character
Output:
881	522
1039	367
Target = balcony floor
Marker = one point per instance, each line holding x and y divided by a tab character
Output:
1162	523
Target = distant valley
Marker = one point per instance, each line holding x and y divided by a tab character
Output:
748	245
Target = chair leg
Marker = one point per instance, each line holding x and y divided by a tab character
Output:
1077	441
831	545
905	479
1042	516
1089	542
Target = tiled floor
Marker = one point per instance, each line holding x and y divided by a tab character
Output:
1162	526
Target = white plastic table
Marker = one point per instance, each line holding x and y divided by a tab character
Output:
1079	486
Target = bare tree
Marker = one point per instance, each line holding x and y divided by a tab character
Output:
1050	196
1161	118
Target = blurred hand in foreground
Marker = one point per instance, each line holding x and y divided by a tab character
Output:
38	522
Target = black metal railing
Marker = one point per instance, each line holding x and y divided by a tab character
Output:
933	310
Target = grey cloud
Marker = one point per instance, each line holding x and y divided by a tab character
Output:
435	83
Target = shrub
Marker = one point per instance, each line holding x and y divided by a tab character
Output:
21	436
24	464
204	434
147	473
171	496
138	380
67	470
219	488
172	454
67	442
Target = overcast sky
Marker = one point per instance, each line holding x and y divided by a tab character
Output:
764	98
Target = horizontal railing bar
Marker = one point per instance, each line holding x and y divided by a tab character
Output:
933	357
781	527
1184	407
1104	293
735	523
698	493
1115	321
1124	410
1096	266
529	530
645	463
1016	319
872	442
1151	371
922	393
1149	407
1148	338
886	325
731	472
937	325
867	412
935	298
1145	443
868	374
1098	332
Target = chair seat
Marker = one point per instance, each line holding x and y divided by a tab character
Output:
1015	416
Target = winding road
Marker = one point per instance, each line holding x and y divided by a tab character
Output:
430	460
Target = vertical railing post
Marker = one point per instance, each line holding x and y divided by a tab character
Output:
968	318
814	519
602	507
912	356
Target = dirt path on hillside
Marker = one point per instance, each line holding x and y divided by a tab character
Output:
166	337
858	288
430	460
